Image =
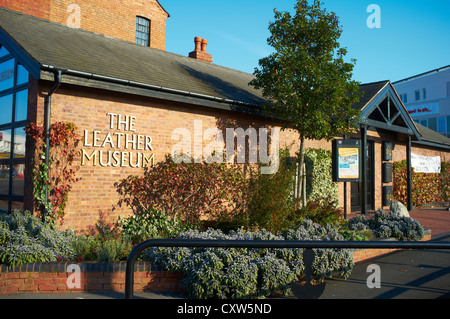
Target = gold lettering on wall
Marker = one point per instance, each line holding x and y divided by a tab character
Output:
118	140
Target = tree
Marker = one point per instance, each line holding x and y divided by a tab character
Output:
308	84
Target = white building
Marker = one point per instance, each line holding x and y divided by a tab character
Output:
426	96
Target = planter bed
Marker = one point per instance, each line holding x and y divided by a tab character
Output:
53	277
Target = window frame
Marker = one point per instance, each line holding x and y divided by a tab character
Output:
13	126
139	38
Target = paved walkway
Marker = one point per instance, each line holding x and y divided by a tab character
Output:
437	219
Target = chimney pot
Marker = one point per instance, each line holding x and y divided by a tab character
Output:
200	50
198	43
204	44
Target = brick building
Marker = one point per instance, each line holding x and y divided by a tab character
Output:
128	96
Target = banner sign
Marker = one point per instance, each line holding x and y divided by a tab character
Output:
423	109
425	164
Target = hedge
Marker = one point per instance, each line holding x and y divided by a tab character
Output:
426	187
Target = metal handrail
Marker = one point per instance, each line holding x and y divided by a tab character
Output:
129	277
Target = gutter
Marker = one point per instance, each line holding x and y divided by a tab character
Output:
47	110
91	76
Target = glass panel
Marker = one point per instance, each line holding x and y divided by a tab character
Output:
448	124
5	154
6	109
5	146
22	75
6	75
21	105
19	143
3	51
18	179
432	124
441	125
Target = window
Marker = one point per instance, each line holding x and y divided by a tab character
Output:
424	94
432	124
448	126
441	125
417	95
13	110
142	31
404	98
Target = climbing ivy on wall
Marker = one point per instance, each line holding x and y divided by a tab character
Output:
319	181
60	174
426	187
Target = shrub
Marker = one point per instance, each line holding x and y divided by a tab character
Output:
185	191
114	249
270	199
389	224
321	212
149	224
247	272
24	238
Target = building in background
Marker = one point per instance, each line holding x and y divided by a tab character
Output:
426	96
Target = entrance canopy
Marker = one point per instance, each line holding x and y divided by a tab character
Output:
382	109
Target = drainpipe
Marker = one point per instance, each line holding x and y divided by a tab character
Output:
47	110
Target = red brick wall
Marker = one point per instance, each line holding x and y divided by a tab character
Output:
37	8
95	196
53	278
112	18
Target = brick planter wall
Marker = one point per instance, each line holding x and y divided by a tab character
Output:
53	277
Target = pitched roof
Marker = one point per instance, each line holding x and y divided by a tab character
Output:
428	136
58	46
369	90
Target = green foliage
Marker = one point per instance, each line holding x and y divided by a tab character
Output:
426	187
320	187
149	224
306	79
323	212
389	224
270	196
85	248
24	238
114	249
245	272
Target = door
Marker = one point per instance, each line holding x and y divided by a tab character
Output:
356	186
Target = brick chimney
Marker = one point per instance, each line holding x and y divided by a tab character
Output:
200	50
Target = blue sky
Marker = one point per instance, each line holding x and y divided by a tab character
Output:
414	36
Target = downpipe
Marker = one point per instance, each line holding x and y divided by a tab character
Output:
47	110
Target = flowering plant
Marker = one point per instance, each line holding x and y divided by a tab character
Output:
59	175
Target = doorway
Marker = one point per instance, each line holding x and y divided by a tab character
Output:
370	185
